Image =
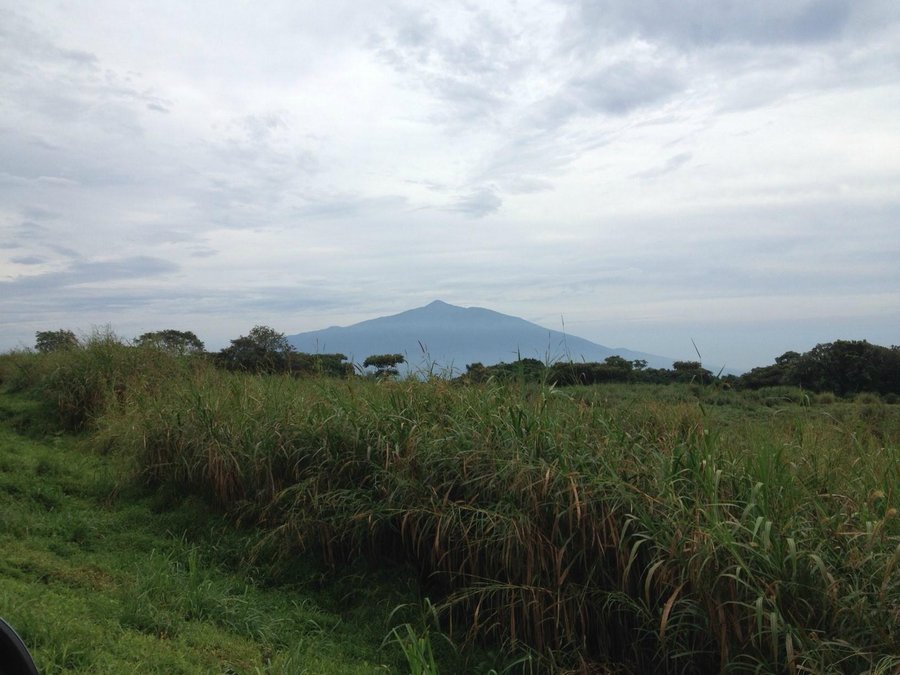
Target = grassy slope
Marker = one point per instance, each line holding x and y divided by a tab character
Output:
98	577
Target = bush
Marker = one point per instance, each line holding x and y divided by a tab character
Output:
81	383
826	398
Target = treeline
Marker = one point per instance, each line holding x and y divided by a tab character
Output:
262	350
613	369
843	367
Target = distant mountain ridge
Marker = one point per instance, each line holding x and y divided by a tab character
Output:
449	338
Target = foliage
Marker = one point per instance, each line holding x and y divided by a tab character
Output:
385	364
632	528
613	369
416	644
640	534
263	350
522	370
175	342
103	577
328	365
79	384
54	340
842	367
569	373
691	371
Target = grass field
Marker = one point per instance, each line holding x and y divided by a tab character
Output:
100	575
606	529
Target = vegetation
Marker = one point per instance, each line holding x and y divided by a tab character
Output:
385	365
54	340
625	528
176	342
264	350
842	367
567	373
102	575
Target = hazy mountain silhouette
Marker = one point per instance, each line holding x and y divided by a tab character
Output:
448	336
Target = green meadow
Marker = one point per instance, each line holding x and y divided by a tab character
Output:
158	514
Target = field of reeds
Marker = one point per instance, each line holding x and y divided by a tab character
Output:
605	529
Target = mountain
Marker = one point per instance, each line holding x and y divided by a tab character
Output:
450	337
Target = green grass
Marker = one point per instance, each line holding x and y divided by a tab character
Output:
99	575
607	529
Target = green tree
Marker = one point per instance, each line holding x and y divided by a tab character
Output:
613	369
173	341
476	372
54	340
329	365
385	364
263	350
846	366
788	359
843	367
691	371
270	340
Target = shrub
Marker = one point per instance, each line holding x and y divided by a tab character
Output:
826	398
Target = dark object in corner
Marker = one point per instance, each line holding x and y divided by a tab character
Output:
14	656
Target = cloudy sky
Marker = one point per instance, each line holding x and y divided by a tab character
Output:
641	172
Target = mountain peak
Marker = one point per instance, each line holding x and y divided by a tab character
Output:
453	337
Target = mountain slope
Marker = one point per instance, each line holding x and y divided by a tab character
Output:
451	337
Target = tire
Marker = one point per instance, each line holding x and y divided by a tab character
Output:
14	656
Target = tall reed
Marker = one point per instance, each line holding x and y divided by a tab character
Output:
606	534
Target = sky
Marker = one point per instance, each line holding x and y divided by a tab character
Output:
644	174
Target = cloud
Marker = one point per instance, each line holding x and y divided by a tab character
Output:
674	163
29	260
705	23
460	54
335	206
477	204
524	185
90	272
615	89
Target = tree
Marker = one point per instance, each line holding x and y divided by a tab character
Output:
788	359
385	364
688	371
54	340
328	365
270	340
476	372
176	342
844	366
263	350
783	372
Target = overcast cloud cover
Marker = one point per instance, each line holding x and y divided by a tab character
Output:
644	171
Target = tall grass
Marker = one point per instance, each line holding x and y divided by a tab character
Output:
81	383
604	532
